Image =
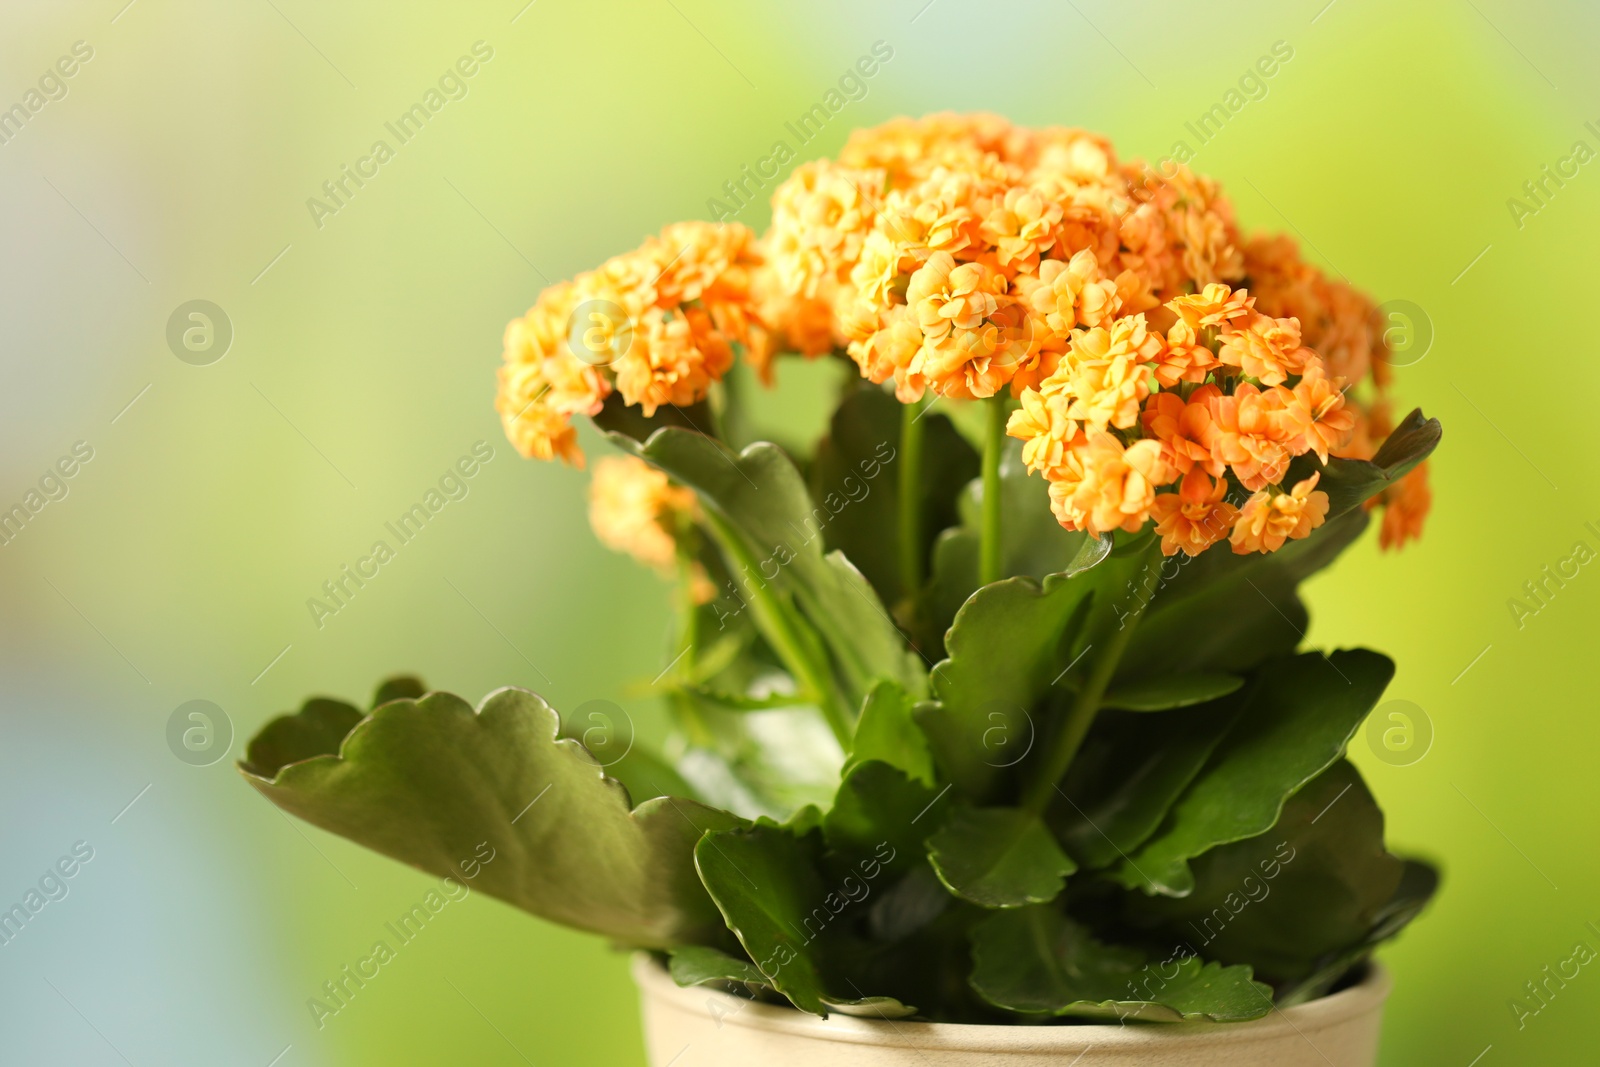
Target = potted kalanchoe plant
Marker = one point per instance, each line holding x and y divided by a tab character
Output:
991	707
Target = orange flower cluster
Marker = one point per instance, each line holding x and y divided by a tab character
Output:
1167	369
656	325
1163	363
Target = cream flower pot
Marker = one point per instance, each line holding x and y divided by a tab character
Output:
699	1027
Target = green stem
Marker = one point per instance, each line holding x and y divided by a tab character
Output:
1086	705
786	633
693	723
994	444
911	437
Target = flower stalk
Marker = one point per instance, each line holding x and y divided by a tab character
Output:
990	556
912	434
1086	705
790	636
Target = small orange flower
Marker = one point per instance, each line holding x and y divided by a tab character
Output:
1265	348
1107	373
673	360
1194	518
1215	305
1248	434
821	215
947	297
1317	419
535	429
886	351
1271	517
1183	358
1116	488
1071	294
1020	225
1046	432
1183	429
1405	507
636	509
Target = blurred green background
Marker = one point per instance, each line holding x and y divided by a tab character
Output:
177	167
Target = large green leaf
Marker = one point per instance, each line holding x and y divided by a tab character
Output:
1011	643
1299	715
1219	611
1418	883
1351	482
697	965
999	858
1128	773
856	477
1311	889
887	732
761	497
881	814
759	763
1035	961
765	881
1167	691
427	781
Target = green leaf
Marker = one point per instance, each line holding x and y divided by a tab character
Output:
400	687
761	496
1418	883
881	813
694	965
1131	768
999	858
1304	894
619	417
1224	612
856	477
316	729
756	763
1351	482
1299	715
1169	691
887	732
429	782
765	882
1011	642
1036	961
646	776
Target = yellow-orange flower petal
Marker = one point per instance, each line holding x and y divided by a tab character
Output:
1269	518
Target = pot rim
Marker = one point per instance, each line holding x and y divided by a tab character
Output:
1365	996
